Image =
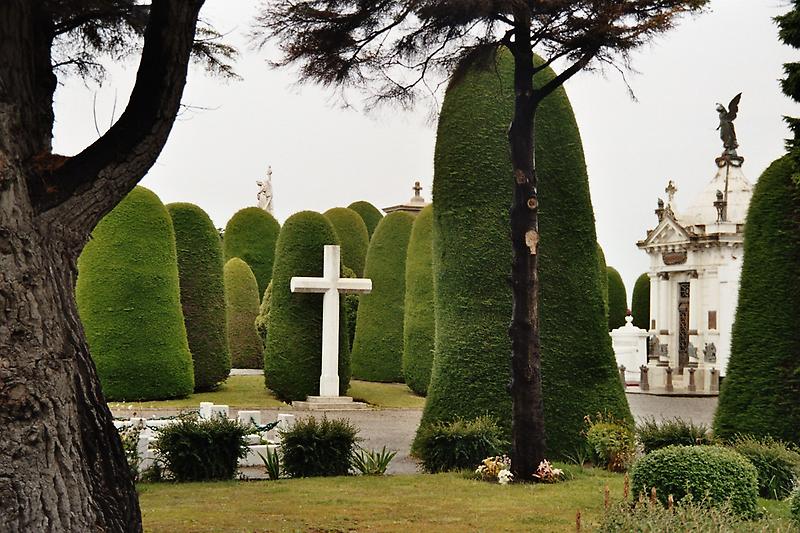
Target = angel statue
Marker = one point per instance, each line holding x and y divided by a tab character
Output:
726	130
265	192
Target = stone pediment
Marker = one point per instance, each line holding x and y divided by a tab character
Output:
668	232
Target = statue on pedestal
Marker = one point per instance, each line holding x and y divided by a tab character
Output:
726	130
265	192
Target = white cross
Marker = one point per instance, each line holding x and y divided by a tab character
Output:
330	284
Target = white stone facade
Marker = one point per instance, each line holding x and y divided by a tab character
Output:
695	264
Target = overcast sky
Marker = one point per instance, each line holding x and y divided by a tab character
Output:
325	156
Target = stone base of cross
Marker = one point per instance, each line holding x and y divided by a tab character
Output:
330	285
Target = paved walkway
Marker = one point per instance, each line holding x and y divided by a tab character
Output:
395	428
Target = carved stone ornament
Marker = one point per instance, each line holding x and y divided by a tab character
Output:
674	258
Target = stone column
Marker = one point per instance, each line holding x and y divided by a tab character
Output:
669	387
654	302
692	385
644	383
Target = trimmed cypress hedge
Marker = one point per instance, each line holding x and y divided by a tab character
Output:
129	302
241	303
419	328
369	213
601	264
292	358
202	293
378	346
617	299
761	392
640	302
250	235
472	261
262	320
352	233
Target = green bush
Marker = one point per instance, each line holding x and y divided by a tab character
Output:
241	302
370	214
202	293
292	357
251	235
202	450
472	263
778	465
129	302
761	393
647	517
352	233
378	346
601	264
794	506
612	444
459	444
617	299
262	320
713	475
640	302
314	447
350	303
675	431
419	328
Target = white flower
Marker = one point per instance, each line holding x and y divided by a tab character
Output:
504	477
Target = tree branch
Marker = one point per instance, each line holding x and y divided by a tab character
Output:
541	93
90	184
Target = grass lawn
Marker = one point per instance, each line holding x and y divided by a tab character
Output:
442	502
249	392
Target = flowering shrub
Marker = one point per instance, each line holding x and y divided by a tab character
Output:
612	442
547	474
497	468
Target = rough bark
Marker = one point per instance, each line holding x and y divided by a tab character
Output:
528	438
62	467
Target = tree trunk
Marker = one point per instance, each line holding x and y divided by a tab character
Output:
61	462
528	438
62	467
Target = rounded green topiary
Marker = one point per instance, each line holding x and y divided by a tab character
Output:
241	303
378	346
350	303
617	299
369	213
419	328
472	263
129	301
640	302
202	293
352	233
293	356
713	475
250	235
761	392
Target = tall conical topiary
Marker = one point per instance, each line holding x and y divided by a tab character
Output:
617	299
378	346
241	303
369	213
472	262
761	392
352	233
202	293
293	356
250	235
129	302
640	302
419	327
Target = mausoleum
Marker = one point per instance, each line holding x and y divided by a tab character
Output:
695	263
